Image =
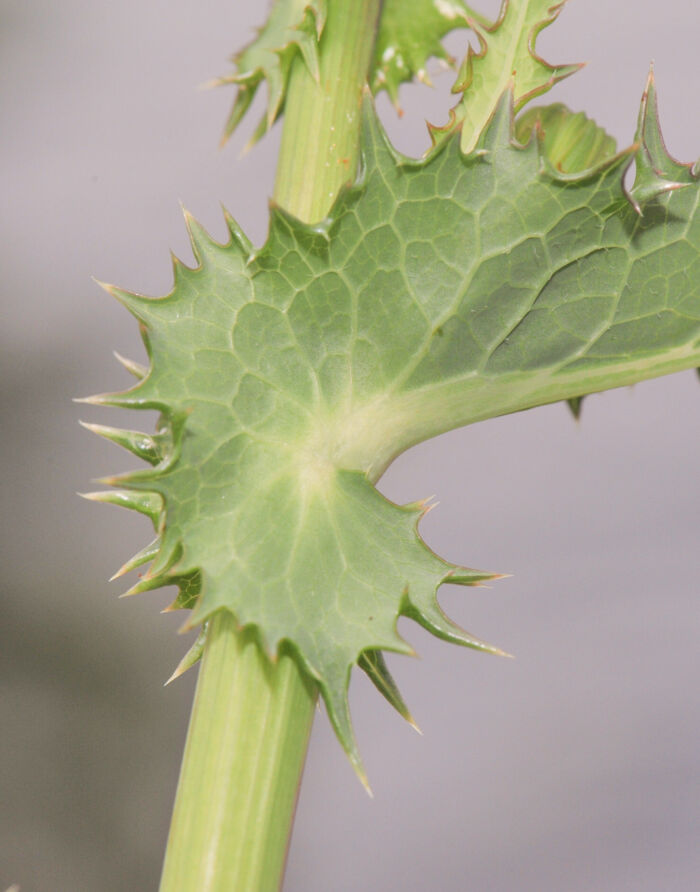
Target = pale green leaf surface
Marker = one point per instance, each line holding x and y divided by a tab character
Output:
437	293
409	34
507	58
572	143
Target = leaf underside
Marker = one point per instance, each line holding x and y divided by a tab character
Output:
572	143
437	293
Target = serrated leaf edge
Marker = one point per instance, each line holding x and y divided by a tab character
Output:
139	490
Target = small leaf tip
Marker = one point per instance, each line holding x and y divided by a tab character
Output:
412	722
134	368
97	399
362	775
105	286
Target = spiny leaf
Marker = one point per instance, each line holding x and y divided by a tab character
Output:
163	572
293	26
507	55
409	33
575	404
134	368
656	172
437	293
146	554
144	446
372	662
192	657
146	503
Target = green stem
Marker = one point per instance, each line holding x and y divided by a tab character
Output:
241	769
320	140
251	718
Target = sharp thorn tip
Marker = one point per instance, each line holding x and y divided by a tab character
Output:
412	722
176	674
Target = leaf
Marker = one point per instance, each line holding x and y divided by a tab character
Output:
143	446
437	293
571	141
575	404
373	664
410	32
507	58
293	26
192	657
656	172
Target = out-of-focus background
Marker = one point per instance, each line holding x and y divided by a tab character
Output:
574	767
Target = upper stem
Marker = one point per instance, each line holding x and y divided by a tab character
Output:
320	139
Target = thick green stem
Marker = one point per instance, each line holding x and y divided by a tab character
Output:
320	140
251	718
241	769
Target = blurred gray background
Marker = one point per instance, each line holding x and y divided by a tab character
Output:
572	768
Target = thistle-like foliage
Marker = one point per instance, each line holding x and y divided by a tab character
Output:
507	56
409	34
436	293
293	26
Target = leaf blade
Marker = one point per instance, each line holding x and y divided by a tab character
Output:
437	293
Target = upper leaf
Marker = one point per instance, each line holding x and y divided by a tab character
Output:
437	293
292	26
507	59
410	32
